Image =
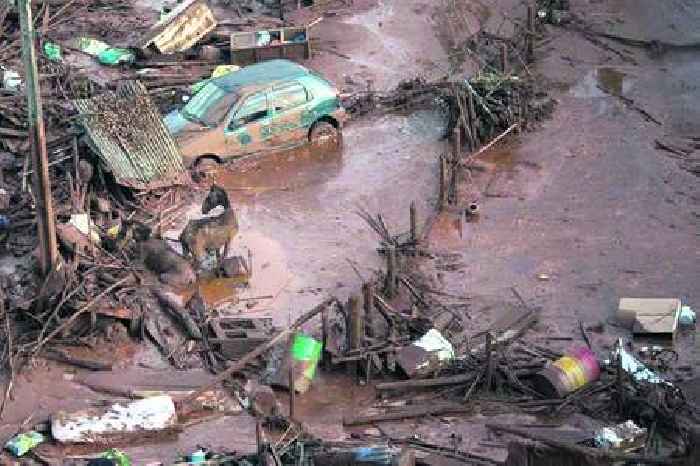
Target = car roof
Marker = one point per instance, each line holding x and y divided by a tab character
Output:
262	73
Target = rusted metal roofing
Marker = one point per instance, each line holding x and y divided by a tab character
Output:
128	132
182	28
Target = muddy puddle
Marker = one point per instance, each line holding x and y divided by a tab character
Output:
280	171
603	82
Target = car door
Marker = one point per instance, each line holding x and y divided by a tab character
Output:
248	128
288	103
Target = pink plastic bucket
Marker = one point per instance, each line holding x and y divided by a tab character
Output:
588	361
571	372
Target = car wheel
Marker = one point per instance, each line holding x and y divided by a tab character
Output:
207	164
322	133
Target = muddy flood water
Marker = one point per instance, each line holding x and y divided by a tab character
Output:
297	211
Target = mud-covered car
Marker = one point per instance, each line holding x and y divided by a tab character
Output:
262	107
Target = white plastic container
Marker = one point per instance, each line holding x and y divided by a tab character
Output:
92	425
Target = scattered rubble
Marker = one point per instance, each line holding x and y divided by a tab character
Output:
118	181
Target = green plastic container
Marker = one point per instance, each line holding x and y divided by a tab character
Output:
306	352
52	51
118	456
22	443
116	56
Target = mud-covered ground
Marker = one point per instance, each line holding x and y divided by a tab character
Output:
576	214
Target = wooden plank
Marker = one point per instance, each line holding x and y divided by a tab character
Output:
419	411
436	382
13	133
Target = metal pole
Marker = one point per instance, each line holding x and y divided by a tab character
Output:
42	188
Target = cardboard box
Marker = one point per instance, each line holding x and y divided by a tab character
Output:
650	316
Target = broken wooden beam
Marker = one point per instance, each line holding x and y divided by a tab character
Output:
418	411
598	453
169	301
90	364
391	273
423	383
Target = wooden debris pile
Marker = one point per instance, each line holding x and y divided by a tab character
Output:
497	372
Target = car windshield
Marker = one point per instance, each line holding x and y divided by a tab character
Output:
209	106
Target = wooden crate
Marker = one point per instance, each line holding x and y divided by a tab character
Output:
285	43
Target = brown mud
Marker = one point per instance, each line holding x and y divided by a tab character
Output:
575	215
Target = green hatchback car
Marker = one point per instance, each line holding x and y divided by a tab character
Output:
267	106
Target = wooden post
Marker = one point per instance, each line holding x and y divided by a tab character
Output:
530	33
620	386
472	121
390	288
355	330
76	161
414	222
489	362
325	360
368	303
48	252
444	183
292	385
504	58
258	435
456	142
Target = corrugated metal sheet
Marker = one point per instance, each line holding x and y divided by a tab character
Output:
131	138
182	28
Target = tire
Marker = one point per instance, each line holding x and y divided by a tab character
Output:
206	164
322	133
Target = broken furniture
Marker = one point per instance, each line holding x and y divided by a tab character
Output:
254	46
183	27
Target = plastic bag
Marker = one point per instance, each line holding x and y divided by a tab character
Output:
119	457
91	46
52	51
115	56
22	443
